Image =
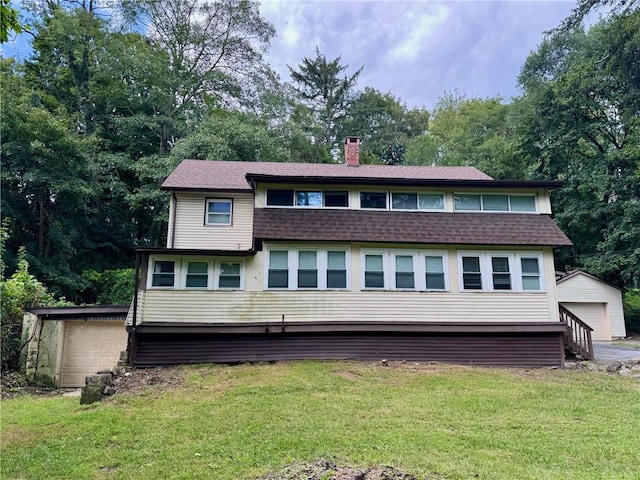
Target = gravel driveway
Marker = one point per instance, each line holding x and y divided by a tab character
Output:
605	351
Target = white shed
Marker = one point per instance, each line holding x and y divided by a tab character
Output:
66	344
594	301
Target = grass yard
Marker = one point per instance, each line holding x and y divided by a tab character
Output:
240	422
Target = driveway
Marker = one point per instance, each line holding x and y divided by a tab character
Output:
606	351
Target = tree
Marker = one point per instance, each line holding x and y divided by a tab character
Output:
475	132
211	48
585	7
8	20
326	94
384	124
580	121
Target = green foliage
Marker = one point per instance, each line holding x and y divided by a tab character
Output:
631	304
111	287
327	93
475	132
8	20
384	125
18	293
579	123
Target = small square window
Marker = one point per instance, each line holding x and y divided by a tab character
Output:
218	212
431	201
333	198
280	198
163	273
523	203
373	200
467	202
309	199
404	201
197	275
495	203
229	275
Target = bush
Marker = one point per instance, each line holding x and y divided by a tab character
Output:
111	287
631	304
18	293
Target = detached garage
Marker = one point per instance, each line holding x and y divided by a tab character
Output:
66	344
594	301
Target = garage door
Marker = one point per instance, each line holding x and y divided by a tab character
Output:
594	315
89	347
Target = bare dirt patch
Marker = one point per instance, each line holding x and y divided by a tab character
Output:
326	470
136	380
14	384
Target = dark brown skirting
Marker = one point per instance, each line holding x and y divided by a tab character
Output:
499	348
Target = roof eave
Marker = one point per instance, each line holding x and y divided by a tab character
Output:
519	184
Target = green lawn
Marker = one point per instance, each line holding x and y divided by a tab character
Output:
235	422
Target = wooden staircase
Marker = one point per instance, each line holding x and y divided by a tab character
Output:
577	337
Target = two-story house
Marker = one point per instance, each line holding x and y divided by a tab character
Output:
269	261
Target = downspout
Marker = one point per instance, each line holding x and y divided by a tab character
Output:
173	218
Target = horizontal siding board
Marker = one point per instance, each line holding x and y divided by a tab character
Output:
532	350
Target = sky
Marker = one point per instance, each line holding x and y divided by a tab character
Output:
416	50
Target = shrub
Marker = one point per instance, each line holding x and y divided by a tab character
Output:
631	304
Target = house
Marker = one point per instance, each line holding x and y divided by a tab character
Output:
66	344
269	261
596	302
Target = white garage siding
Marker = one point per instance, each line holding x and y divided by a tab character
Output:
89	347
589	297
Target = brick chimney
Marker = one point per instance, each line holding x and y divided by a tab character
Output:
352	151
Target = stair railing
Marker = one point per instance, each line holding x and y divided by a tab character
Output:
577	337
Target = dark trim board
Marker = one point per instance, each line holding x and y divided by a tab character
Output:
492	348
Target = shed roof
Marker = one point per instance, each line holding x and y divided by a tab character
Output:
407	227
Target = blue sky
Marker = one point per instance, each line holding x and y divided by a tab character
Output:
416	50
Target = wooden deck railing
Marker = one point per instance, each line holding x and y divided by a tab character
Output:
577	338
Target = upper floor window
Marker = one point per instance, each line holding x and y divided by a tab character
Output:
219	211
497	271
307	198
494	202
376	200
417	201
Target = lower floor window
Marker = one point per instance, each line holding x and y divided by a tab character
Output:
496	271
200	273
304	268
404	270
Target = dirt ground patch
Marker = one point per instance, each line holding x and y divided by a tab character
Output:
136	380
326	470
13	384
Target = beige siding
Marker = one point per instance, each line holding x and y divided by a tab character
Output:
584	289
191	231
196	306
88	348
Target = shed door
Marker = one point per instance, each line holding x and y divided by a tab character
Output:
594	315
89	347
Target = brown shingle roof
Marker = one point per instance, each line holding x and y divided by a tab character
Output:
230	176
407	227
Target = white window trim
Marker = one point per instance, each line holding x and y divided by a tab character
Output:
508	195
206	212
321	265
181	266
515	269
419	269
417	209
